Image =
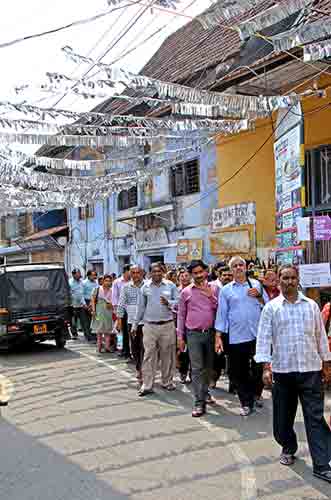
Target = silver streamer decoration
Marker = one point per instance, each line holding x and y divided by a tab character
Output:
170	92
183	125
226	105
302	35
17	197
224	10
271	16
247	106
95	141
317	51
111	166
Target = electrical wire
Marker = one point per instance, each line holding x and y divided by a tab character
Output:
67	26
110	28
119	38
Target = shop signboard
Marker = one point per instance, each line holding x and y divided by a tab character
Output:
151	238
241	214
289	160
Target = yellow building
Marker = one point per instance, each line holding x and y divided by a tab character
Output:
246	170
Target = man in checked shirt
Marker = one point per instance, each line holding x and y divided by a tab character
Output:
128	304
291	328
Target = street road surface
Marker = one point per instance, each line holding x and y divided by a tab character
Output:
75	429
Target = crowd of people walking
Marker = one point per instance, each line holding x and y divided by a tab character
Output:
265	333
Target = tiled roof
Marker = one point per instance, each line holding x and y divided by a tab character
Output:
187	53
194	56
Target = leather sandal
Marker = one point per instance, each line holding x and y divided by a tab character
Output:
286	459
199	411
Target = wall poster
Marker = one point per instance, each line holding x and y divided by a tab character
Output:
289	162
188	250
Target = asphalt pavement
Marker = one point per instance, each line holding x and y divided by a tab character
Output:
75	429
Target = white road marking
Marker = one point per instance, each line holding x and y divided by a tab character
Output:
248	478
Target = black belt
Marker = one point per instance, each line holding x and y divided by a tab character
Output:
159	322
206	330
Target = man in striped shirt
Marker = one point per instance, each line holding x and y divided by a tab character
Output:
292	337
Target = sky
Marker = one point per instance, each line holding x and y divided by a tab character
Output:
28	61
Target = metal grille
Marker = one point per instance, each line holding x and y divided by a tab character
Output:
318	197
86	212
185	178
318	177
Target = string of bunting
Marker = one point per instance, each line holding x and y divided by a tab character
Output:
317	51
302	35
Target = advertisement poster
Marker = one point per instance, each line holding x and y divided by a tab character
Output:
231	243
289	182
188	250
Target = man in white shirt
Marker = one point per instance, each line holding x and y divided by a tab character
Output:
291	328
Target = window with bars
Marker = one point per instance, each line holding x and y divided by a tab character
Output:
127	199
86	212
185	178
318	196
318	178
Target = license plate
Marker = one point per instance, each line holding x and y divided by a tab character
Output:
40	328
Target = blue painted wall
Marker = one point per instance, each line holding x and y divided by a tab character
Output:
89	238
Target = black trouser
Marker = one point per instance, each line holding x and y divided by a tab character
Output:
137	346
307	387
219	365
245	373
201	346
184	363
81	314
126	338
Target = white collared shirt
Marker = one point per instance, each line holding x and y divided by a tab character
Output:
292	336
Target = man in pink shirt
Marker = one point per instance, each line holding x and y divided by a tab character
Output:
195	325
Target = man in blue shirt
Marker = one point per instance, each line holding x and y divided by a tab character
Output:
79	306
239	310
90	283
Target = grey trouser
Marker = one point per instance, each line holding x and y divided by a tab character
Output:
307	387
159	342
201	347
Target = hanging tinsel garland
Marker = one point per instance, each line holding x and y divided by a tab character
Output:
107	128
175	92
225	10
302	35
317	51
272	16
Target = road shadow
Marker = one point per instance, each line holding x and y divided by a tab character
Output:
32	470
40	354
